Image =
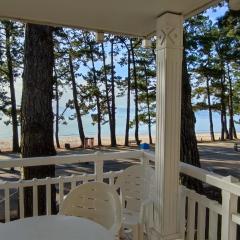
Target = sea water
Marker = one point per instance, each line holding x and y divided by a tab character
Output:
71	129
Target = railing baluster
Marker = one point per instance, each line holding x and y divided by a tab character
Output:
229	207
35	197
213	225
7	203
201	222
61	191
49	196
144	160
85	180
191	219
73	182
21	201
182	210
98	164
111	179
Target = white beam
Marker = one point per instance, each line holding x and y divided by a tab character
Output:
169	71
146	43
99	37
234	5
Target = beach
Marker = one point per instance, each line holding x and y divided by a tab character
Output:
74	141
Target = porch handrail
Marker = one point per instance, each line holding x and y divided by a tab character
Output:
69	159
228	184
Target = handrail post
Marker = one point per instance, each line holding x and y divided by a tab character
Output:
229	206
98	165
144	161
182	210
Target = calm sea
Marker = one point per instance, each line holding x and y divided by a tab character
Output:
202	125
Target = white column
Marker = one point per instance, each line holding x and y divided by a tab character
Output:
169	77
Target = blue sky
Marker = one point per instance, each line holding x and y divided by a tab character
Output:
217	12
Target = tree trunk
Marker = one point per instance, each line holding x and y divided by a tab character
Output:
224	131
189	149
57	112
232	130
15	141
97	97
113	112
136	94
210	111
37	115
128	99
107	94
148	107
75	100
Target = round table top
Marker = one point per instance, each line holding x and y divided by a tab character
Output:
55	228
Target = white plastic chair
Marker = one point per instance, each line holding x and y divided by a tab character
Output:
136	186
96	201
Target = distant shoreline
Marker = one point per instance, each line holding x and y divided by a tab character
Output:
74	141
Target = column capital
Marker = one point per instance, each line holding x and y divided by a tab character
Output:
169	31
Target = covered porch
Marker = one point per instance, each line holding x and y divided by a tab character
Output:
179	212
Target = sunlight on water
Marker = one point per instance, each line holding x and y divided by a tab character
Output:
202	126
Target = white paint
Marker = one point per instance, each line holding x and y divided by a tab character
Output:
95	201
54	228
229	207
168	121
135	17
136	185
99	37
146	43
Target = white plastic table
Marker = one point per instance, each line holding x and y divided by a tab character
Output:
54	228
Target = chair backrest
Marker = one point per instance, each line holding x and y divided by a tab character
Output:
136	184
96	201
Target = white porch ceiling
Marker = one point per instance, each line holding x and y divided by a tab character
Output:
128	17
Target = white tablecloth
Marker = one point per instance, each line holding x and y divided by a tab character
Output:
54	228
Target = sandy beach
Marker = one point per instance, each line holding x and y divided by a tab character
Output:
74	141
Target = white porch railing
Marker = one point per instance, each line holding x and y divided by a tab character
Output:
12	189
209	219
201	217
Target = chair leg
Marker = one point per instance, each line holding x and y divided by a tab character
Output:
135	232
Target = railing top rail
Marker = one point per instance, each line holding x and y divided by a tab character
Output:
228	184
225	183
69	159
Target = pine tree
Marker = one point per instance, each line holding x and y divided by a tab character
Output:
11	69
37	114
67	41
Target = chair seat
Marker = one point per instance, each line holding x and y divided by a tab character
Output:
130	217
